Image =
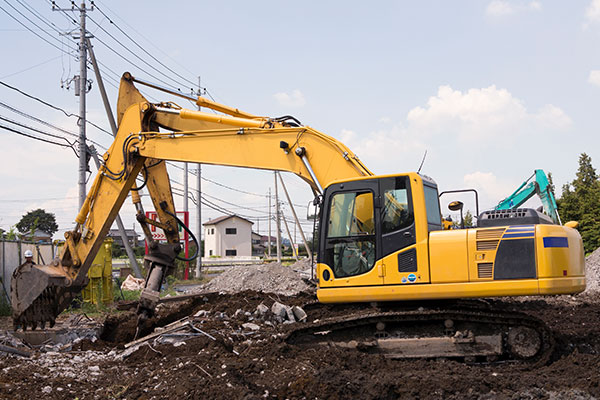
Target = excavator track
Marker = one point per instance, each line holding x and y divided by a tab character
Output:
473	335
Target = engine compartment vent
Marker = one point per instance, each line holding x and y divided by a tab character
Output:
485	270
490	234
487	245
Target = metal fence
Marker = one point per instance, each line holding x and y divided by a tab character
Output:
11	256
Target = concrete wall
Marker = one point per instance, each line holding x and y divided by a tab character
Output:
11	256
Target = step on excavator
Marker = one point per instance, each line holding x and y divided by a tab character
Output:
380	238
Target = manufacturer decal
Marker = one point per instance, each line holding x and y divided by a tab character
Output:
404	280
412	277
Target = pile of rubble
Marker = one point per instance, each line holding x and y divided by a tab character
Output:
267	278
250	326
592	273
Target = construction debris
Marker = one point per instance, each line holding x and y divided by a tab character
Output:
592	273
266	278
131	283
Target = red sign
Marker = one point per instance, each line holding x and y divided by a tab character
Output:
159	235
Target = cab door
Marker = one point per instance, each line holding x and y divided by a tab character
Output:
350	243
398	230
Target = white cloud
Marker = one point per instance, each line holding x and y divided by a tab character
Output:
500	8
481	113
385	120
592	12
594	77
293	99
490	189
552	117
386	150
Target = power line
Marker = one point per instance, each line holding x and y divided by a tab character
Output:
31	30
143	37
38	15
34	137
142	48
22	125
30	68
68	114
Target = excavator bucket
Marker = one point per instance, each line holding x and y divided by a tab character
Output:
39	293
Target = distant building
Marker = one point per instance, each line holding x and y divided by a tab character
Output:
258	249
228	236
132	237
39	236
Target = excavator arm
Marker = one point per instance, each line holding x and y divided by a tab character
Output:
148	135
540	185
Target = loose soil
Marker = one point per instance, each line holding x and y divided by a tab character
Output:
245	364
268	367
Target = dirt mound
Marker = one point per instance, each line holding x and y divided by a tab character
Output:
267	278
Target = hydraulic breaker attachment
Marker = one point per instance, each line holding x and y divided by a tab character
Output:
159	263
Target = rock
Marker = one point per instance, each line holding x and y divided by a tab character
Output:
94	368
261	309
289	314
201	313
279	310
47	389
251	326
299	314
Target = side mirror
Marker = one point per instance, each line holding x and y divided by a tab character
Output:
458	206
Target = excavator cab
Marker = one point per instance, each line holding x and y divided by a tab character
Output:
370	230
382	240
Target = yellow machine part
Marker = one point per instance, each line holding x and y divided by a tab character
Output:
100	288
466	262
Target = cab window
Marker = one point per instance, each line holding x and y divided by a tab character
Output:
396	213
350	244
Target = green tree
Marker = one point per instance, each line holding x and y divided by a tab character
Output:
580	201
38	219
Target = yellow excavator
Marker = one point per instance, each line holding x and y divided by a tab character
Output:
380	238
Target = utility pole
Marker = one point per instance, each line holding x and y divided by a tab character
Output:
80	90
269	239
199	207
278	223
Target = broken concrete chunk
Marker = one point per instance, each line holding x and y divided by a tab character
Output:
261	309
251	326
299	314
201	313
279	310
289	314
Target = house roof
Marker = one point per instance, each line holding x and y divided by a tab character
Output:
223	218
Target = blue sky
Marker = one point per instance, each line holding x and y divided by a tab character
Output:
491	89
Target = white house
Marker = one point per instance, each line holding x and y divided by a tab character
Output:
228	236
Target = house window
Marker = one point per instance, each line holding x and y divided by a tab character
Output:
231	252
230	231
212	231
210	253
